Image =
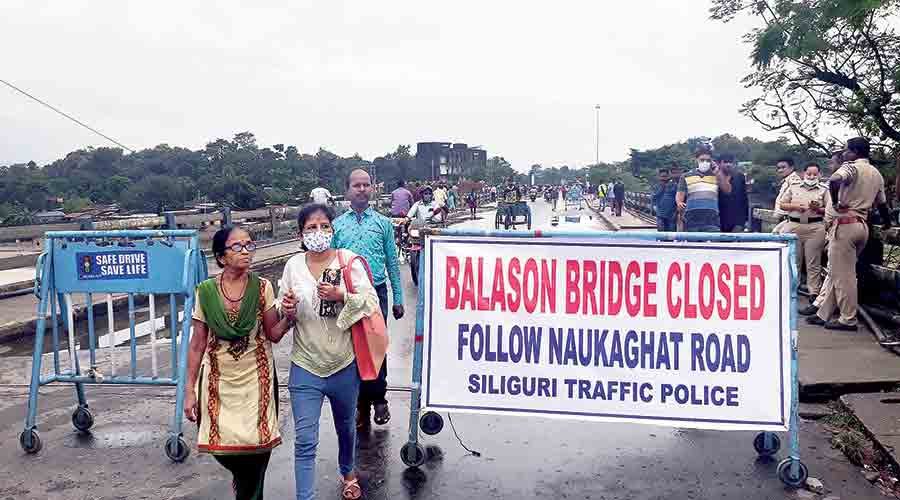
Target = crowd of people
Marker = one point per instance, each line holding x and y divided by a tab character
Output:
323	291
710	197
830	218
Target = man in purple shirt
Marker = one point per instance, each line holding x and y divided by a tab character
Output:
401	200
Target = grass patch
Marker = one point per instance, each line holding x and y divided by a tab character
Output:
848	435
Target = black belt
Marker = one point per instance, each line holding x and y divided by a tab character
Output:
808	221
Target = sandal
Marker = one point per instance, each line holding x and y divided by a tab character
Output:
382	414
350	489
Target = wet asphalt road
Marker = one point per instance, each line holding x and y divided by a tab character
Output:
521	458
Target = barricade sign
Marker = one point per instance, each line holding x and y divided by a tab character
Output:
683	330
116	267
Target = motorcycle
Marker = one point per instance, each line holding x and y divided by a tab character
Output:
533	196
401	238
415	242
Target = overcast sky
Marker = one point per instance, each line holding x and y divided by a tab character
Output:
520	78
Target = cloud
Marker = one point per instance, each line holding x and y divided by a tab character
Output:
520	78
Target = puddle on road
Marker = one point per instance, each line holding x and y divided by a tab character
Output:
117	436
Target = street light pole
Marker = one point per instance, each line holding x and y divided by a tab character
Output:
597	134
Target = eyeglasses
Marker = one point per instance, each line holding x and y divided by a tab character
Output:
238	247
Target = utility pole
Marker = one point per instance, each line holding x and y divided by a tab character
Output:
597	134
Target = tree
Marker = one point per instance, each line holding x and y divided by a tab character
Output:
75	205
155	193
821	64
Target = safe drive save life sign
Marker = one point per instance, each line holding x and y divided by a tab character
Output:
112	265
667	333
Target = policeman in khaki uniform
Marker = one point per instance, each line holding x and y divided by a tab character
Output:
804	203
834	163
853	188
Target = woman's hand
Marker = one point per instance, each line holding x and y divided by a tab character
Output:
191	410
289	305
327	291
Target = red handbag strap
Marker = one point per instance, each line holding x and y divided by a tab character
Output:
345	269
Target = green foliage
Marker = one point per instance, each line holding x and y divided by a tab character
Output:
821	66
75	204
277	196
155	193
12	214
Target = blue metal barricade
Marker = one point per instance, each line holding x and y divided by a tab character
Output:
790	470
118	266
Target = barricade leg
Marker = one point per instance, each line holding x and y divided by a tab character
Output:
412	453
82	419
29	439
791	470
176	448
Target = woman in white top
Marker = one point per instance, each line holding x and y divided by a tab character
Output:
322	359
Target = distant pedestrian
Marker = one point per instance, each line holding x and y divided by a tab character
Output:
371	235
698	195
664	201
401	200
610	195
733	206
440	197
785	170
601	195
618	196
452	195
320	196
472	202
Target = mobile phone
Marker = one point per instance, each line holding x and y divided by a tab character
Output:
328	308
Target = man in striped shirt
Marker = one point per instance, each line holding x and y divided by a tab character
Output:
698	194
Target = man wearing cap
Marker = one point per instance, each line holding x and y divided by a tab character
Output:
853	189
805	205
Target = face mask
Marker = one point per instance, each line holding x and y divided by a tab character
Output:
704	166
317	241
811	182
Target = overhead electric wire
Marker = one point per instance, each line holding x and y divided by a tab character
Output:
70	117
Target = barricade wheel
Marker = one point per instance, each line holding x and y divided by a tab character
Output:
431	423
35	445
787	477
82	419
418	458
176	449
766	449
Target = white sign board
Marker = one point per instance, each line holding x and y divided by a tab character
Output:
679	334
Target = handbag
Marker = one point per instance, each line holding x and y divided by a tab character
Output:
370	339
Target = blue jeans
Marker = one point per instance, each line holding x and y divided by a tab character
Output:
307	392
665	224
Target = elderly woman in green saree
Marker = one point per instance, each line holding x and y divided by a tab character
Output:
232	388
